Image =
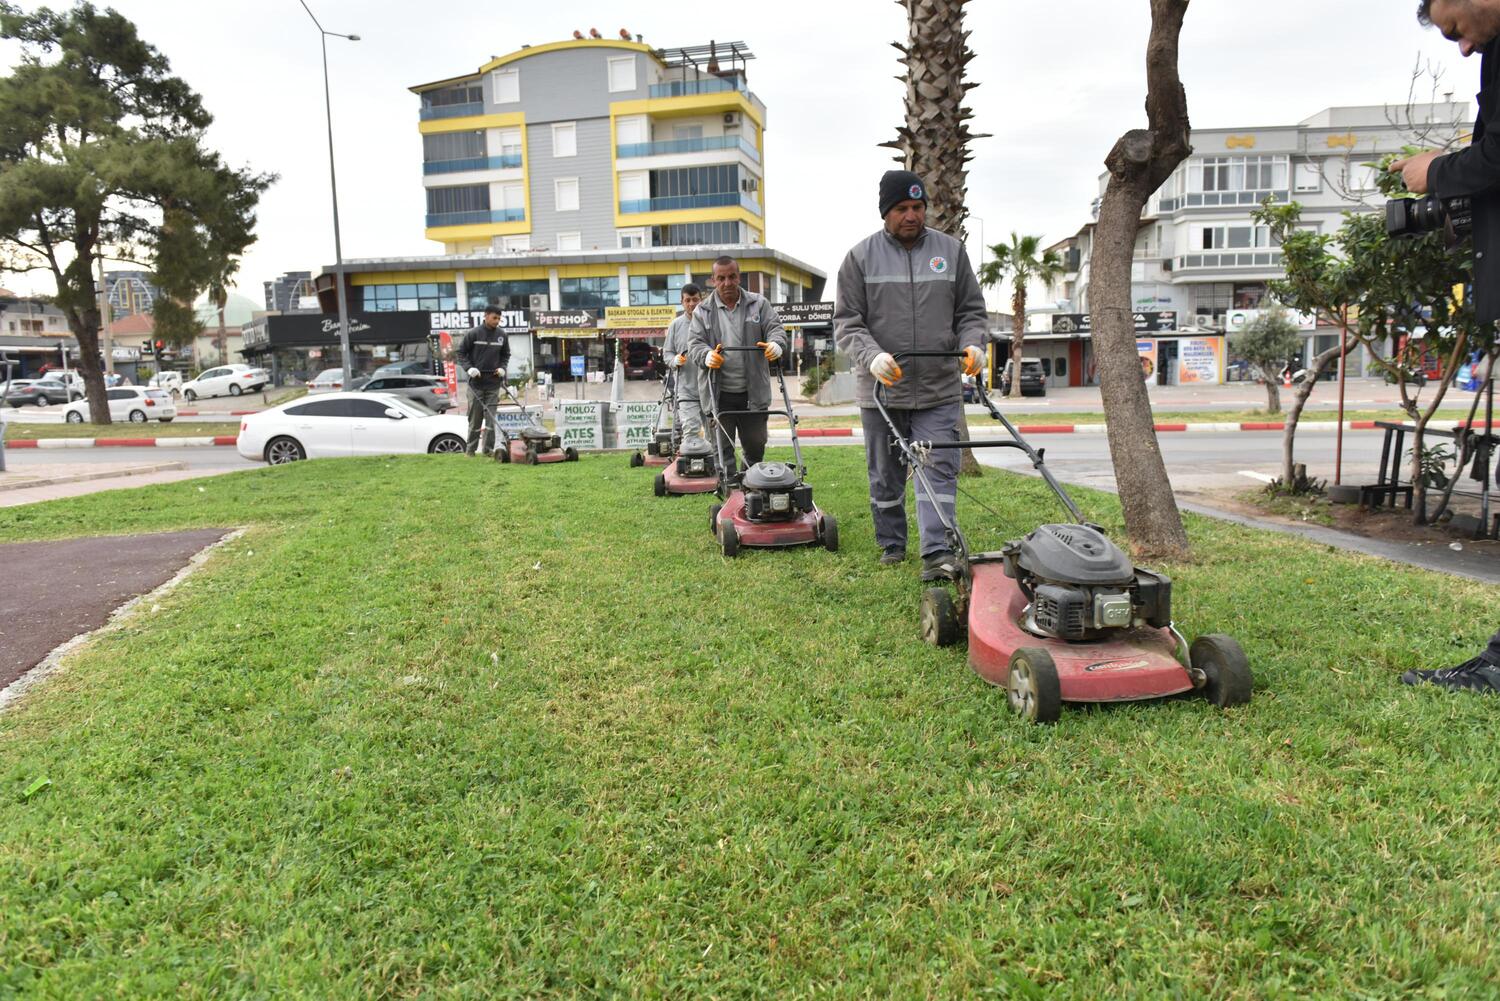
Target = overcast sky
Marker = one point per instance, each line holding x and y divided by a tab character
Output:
1059	81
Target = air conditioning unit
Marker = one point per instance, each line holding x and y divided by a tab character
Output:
540	300
731	118
749	184
1203	320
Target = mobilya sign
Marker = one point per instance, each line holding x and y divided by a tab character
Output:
1145	323
805	314
512	321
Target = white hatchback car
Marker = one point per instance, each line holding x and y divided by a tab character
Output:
344	424
226	380
136	404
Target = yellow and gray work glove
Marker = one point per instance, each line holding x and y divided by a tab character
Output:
772	349
973	361
473	372
885	369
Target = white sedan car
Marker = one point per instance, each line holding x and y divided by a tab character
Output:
136	404
226	380
343	424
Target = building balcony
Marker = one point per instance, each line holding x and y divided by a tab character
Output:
705	144
435	111
689	88
472	163
1227	260
1222	199
480	217
720	200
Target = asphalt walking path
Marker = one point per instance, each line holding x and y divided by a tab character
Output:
53	591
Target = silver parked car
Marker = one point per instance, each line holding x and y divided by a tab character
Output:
427	390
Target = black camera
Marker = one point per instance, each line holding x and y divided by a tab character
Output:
1454	217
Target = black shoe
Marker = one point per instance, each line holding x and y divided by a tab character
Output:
1477	675
892	555
939	566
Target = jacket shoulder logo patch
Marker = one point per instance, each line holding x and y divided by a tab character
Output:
938	265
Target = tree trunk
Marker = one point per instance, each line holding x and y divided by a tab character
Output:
1273	395
1139	164
1017	339
1418	482
84	319
1465	447
1299	400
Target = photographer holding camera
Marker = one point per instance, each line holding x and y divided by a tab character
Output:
1471	175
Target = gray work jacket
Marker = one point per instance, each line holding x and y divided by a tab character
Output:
892	299
689	378
761	324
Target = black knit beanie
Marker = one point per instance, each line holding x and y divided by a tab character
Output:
898	186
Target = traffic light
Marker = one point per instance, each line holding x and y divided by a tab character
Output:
157	347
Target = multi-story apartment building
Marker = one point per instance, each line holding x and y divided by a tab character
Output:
284	294
130	293
595	144
1202	262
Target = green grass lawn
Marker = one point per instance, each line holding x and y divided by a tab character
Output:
439	727
1041	416
122	429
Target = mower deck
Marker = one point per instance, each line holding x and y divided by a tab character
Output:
1140	664
733	529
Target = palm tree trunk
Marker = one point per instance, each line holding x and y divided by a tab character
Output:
1017	338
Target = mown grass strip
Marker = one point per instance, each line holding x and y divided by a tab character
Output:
441	727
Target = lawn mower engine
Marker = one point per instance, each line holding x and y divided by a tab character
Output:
661	446
540	438
696	459
1081	586
775	492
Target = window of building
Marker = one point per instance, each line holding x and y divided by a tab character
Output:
570	241
621	74
631	238
507	84
1238	173
790	291
630	130
589	293
635	187
695	234
1307	177
565	139
687	132
722	178
515	244
421	297
462	198
1235	237
565	194
510	143
441	146
445	97
513	196
656	290
506	294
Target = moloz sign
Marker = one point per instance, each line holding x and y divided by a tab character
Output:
563	319
1145	323
639	413
512	321
804	313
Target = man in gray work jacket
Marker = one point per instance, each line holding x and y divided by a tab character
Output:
910	288
674	350
740	380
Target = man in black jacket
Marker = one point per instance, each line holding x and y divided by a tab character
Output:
484	353
1473	171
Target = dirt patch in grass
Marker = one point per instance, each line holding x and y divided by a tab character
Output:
1383	523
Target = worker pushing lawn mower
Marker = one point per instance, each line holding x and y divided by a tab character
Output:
1062	615
766	504
661	450
679	393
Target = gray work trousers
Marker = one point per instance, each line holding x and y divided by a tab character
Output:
479	398
887	467
690	412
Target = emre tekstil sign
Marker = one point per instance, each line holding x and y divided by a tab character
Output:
512	321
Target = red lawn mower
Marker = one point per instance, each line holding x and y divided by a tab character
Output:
770	504
533	444
662	448
1062	615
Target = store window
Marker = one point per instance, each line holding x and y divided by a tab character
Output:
420	297
505	294
589	293
656	290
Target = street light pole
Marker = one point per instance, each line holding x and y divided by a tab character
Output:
333	181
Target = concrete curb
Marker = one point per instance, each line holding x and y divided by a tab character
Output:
781	434
106	474
185	442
